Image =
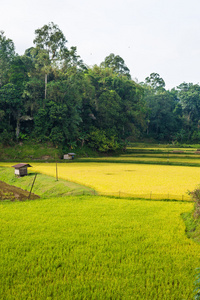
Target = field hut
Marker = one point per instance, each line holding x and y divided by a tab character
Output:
21	169
69	156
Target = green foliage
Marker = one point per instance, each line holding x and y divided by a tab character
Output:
196	198
49	94
6	137
56	136
117	64
101	142
195	136
18	73
155	82
50	38
7	53
109	108
161	117
193	232
41	125
117	103
28	150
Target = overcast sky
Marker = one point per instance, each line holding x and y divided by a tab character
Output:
161	36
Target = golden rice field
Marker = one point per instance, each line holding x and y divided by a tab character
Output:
172	158
127	178
162	147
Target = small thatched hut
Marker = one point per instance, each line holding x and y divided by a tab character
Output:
21	169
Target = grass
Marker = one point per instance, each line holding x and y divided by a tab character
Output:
29	150
33	150
45	186
162	146
160	156
192	226
153	160
87	247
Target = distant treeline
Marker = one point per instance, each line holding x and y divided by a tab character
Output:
50	94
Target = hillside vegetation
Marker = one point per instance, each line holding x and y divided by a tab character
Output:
50	95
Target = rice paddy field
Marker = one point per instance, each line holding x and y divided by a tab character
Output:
140	180
98	247
86	247
154	156
128	178
149	158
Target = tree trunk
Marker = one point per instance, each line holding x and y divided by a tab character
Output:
45	91
18	128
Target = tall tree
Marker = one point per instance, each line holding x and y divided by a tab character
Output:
117	64
117	103
162	116
51	42
71	60
155	82
189	97
7	54
51	39
11	94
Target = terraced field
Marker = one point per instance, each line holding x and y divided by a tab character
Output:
138	173
97	247
175	157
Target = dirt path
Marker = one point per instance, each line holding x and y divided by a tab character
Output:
10	192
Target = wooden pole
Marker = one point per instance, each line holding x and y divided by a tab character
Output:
32	186
56	172
56	167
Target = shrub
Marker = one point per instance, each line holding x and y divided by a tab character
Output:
197	285
196	198
6	137
99	140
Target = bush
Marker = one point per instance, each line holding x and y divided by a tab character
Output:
6	138
197	285
99	140
196	198
195	137
56	136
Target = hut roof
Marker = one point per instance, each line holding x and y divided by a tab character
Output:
71	153
18	166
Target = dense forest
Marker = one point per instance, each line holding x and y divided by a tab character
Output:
50	94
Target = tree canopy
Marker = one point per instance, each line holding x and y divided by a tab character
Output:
49	94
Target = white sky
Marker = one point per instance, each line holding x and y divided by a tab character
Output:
161	36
